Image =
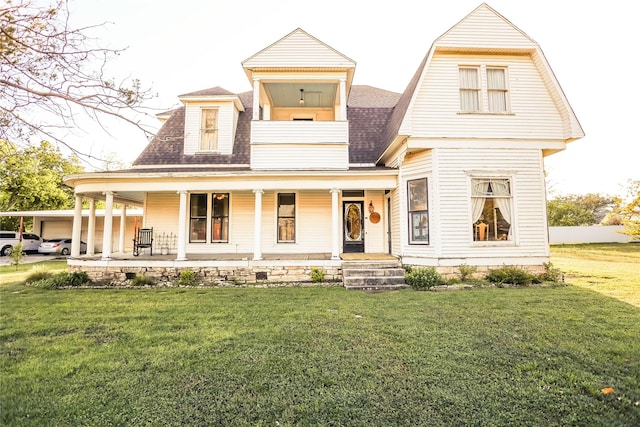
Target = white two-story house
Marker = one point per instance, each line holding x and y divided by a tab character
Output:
306	167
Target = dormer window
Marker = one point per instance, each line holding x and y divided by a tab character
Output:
209	130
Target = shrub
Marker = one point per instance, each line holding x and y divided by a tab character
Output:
551	274
466	271
38	273
510	275
423	278
63	280
17	255
187	278
142	280
317	274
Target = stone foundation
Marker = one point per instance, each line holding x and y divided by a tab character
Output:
210	275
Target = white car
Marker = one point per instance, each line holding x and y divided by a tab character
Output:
9	239
59	246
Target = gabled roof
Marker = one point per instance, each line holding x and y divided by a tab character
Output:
297	51
213	91
469	35
471	32
286	53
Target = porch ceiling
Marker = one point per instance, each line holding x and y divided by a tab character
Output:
130	198
314	95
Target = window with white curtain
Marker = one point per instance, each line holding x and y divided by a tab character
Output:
209	129
469	89
483	88
492	209
496	89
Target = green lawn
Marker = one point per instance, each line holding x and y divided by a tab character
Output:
318	356
611	269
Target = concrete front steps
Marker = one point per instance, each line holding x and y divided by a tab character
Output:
372	275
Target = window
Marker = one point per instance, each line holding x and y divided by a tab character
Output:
202	219
286	217
209	130
198	218
418	211
469	89
496	90
220	217
491	204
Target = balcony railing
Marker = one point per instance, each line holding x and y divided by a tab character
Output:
299	132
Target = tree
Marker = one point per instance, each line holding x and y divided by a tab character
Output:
630	210
32	178
50	70
571	210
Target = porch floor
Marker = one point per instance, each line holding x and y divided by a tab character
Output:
244	257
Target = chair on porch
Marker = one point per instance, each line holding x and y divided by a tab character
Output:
143	240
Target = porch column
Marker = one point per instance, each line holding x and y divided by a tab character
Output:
182	227
257	226
343	99
108	226
123	227
76	233
256	99
91	231
335	225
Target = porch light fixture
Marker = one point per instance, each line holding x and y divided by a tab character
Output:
371	207
301	97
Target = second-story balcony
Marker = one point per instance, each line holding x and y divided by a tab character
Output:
299	132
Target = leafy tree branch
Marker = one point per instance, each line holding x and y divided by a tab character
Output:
49	71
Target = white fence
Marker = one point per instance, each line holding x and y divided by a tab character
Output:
587	234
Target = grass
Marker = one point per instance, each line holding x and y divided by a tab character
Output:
15	274
318	356
611	269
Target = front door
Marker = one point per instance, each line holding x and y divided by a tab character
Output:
353	227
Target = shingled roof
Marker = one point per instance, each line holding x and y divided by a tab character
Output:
369	110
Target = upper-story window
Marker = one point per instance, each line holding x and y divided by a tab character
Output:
496	89
471	89
209	130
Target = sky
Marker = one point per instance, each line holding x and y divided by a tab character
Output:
180	47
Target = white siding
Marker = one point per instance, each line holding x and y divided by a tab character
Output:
305	156
436	110
415	166
485	28
396	245
375	234
312	132
453	195
313	223
299	145
227	120
161	213
298	49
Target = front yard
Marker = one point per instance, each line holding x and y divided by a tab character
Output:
325	356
